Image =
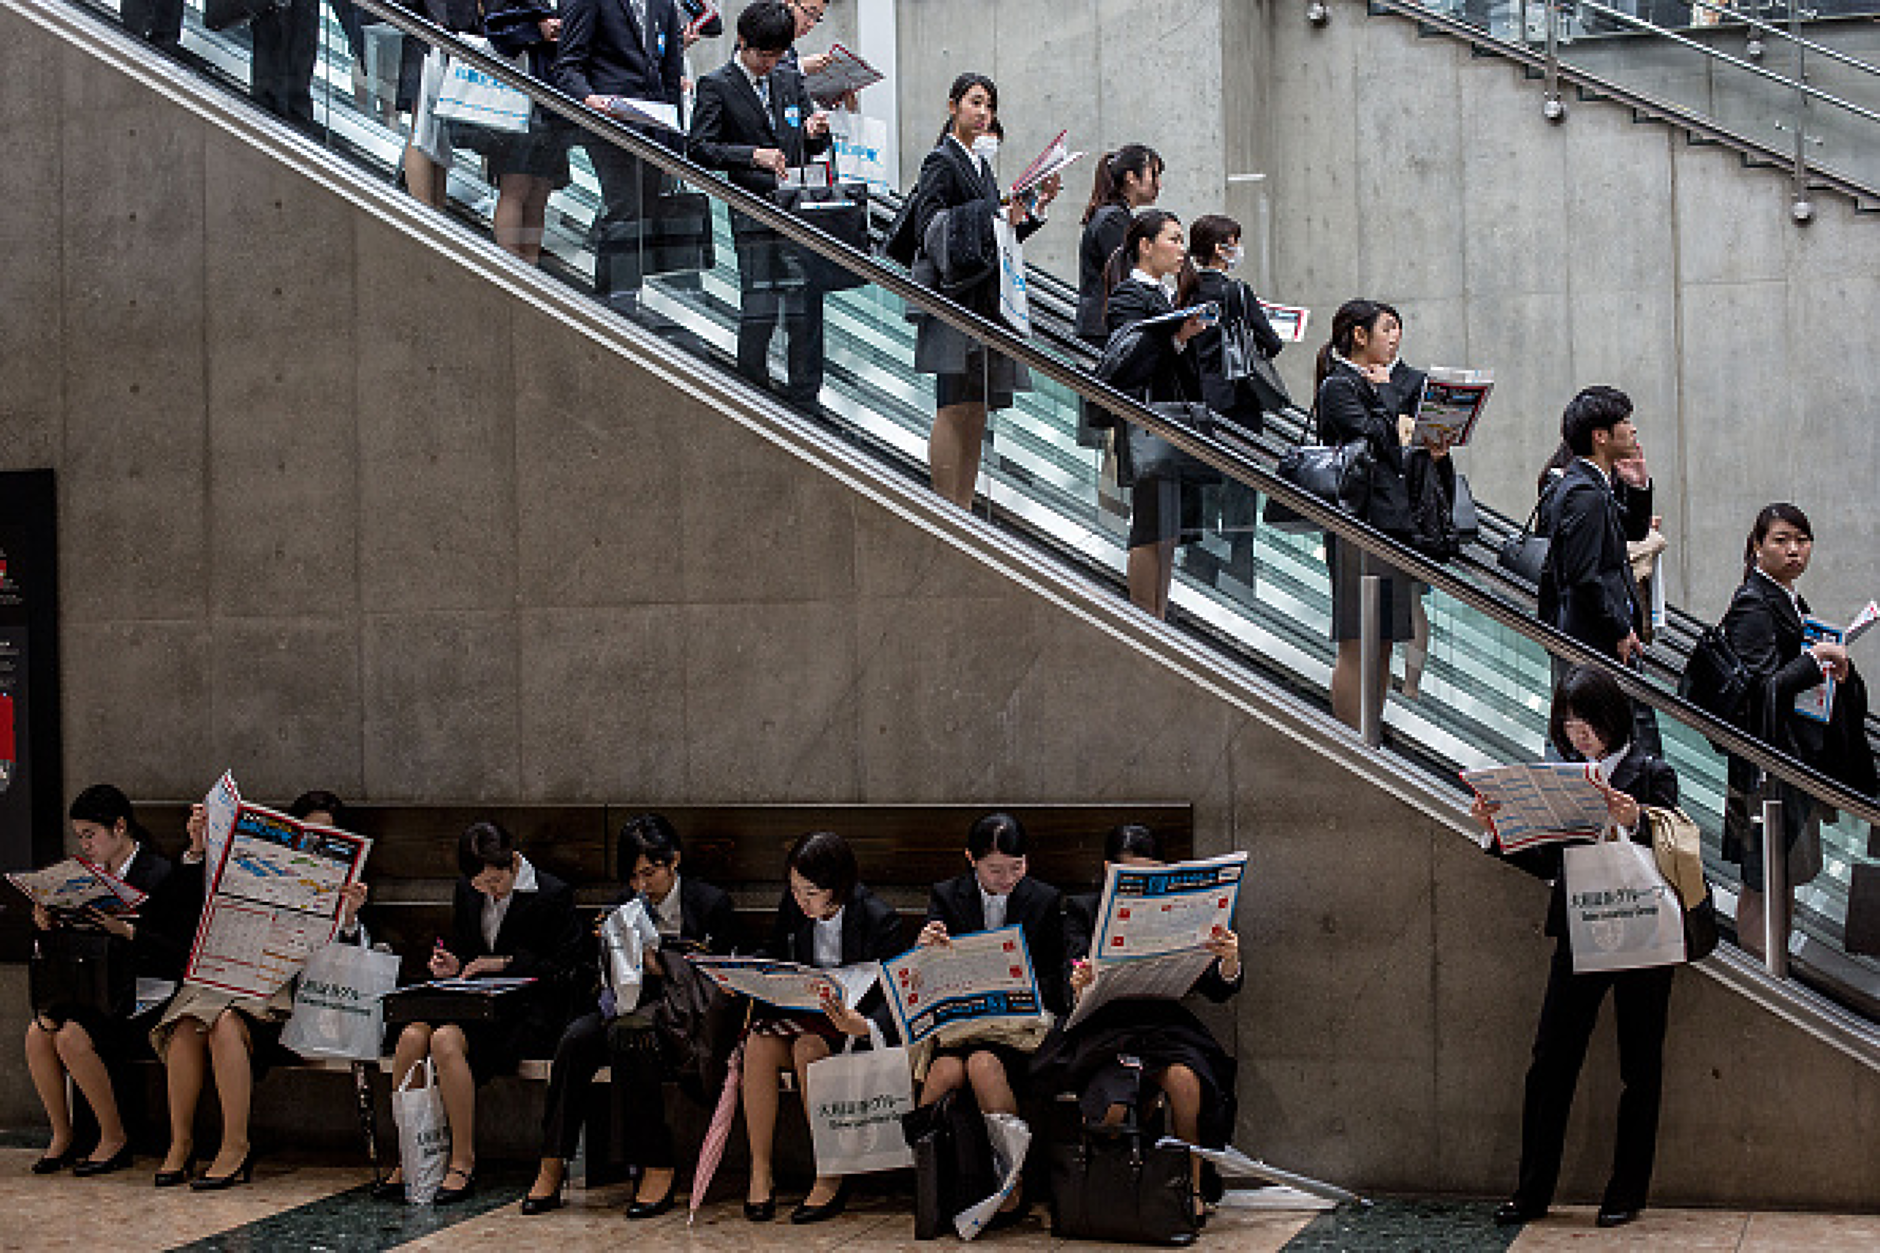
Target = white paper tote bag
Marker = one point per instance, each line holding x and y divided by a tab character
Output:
860	145
423	1134
1014	303
855	1103
1621	914
338	1009
470	95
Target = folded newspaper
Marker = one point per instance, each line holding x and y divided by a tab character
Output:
1541	801
788	985
1450	406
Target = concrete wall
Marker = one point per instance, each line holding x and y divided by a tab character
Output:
337	512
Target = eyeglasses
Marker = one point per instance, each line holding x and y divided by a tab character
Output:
814	15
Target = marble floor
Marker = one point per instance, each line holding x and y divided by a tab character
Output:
324	1209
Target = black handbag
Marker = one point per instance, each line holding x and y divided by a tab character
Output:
1339	474
77	969
1862	934
1524	554
1113	1183
840	211
1715	678
1468	520
1152	457
953	1162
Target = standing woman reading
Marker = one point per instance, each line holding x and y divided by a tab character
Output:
957	178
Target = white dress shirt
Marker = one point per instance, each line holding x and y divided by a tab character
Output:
495	909
826	940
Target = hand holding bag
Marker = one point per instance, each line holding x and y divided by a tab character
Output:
338	1009
855	1103
1151	456
840	211
423	1134
1621	914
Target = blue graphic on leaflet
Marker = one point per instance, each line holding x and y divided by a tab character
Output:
944	985
1153	911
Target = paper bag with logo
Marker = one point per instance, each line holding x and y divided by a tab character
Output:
856	1102
337	1003
1621	914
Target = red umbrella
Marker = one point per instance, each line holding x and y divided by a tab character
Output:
712	1150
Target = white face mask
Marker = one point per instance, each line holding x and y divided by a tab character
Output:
986	146
1231	257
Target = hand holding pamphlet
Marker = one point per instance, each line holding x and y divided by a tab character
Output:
788	985
982	977
1154	925
1451	403
1055	158
74	886
1817	703
1543	802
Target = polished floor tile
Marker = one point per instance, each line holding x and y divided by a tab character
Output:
1669	1230
1817	1233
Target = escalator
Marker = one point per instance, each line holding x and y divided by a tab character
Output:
1246	596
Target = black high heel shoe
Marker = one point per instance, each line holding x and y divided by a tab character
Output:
243	1173
543	1204
807	1213
175	1178
53	1163
761	1211
117	1161
450	1196
653	1209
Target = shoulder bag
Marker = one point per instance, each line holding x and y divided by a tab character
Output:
1339	474
1524	554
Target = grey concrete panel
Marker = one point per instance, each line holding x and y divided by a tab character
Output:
1514	187
1726	221
131	247
1522	338
1052	77
29	239
281	428
1618	221
1363	1123
287	709
441	702
1313	175
894	560
936	43
758	528
137	697
771	702
602	703
600	489
437	458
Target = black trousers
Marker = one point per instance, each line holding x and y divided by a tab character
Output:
286	42
629	193
159	21
1641	1002
640	1134
801	312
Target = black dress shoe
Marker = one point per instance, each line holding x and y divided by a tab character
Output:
542	1204
1613	1216
653	1209
117	1161
1512	1213
174	1178
450	1196
53	1163
807	1213
221	1183
761	1211
388	1189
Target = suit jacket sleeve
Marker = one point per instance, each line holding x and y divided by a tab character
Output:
578	18
1264	336
1635	508
934	191
813	145
1750	626
710	145
1216	987
672	64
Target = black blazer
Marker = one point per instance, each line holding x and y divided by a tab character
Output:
1103	235
1237	303
1158	370
707	916
1080	928
1351	407
1035	906
604	52
1586	586
871	931
1765	629
949	178
1647	779
729	123
540	931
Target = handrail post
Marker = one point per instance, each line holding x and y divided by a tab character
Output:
1552	107
1775	886
1370	641
1801	209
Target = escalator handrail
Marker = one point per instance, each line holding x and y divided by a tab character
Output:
1218	454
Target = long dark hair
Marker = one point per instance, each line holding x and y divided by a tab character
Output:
1107	188
1781	511
1208	233
1146	225
961	85
1352	316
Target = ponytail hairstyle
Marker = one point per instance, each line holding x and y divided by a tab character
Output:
961	85
1145	225
1562	458
1107	188
1352	316
1781	511
107	806
1209	232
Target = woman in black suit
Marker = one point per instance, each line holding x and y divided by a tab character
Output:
1162	368
956	177
1176	1059
1126	180
995	891
1592	721
690	915
1362	390
1764	627
507	919
827	919
73	1040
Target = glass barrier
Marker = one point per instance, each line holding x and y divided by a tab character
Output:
853	347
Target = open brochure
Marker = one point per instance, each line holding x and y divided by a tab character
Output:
696	14
788	985
1153	927
844	73
1208	312
76	885
1055	158
1817	702
1288	321
273	897
1541	802
654	112
982	977
1450	406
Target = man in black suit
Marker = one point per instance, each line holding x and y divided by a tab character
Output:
1587	590
754	120
634	49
